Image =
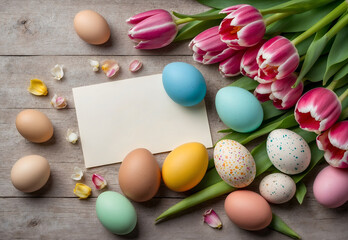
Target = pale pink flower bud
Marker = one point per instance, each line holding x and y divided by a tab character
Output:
277	59
152	29
242	27
248	65
317	110
208	48
231	66
212	219
335	144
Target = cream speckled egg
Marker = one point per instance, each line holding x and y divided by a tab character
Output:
234	163
277	188
288	151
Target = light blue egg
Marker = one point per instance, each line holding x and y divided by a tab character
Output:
238	109
184	83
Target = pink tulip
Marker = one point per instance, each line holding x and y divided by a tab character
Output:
263	91
317	110
335	144
231	66
248	66
277	58
242	27
280	92
152	29
208	48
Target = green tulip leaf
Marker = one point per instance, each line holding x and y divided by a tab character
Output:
192	29
285	121
313	53
301	191
208	15
316	73
300	22
295	6
342	73
307	136
211	177
220	4
269	111
279	225
246	83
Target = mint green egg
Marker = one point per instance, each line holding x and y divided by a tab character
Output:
116	213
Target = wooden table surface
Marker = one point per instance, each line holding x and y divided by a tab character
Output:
36	35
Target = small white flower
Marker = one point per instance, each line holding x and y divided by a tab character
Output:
58	102
78	174
57	72
94	64
72	136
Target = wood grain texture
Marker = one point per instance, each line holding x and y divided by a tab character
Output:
36	35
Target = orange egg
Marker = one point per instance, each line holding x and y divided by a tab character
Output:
248	210
34	125
91	27
139	175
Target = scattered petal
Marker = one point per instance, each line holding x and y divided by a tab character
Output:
110	68
57	72
78	174
94	64
82	190
58	102
98	181
135	65
37	87
212	219
72	136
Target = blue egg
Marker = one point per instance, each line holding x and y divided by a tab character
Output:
238	109
184	83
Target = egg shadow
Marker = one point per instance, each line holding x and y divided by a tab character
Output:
42	191
133	234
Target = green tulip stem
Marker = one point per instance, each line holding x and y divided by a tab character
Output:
337	27
338	11
275	17
333	84
343	96
184	20
344	114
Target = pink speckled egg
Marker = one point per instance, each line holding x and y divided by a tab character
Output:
234	163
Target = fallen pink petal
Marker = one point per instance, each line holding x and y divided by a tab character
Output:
135	66
98	181
212	219
110	68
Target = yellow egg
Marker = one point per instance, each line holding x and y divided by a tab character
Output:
185	166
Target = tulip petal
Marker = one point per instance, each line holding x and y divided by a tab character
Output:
212	219
141	16
248	66
263	91
98	181
231	66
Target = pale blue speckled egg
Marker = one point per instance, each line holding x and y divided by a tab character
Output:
288	151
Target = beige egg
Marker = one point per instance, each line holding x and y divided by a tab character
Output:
35	126
30	173
91	27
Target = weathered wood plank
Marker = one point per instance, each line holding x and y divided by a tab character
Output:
46	28
66	218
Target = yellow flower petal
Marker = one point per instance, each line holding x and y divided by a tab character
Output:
37	87
82	190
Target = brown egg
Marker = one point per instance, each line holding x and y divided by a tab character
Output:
91	27
35	126
248	210
30	173
139	175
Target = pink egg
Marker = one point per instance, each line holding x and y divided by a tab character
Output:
331	187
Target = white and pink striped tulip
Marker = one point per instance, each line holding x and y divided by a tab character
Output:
277	59
248	66
152	29
334	142
317	110
280	92
242	27
231	66
208	48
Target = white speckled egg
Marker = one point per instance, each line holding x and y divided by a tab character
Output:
277	188
288	151
234	163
